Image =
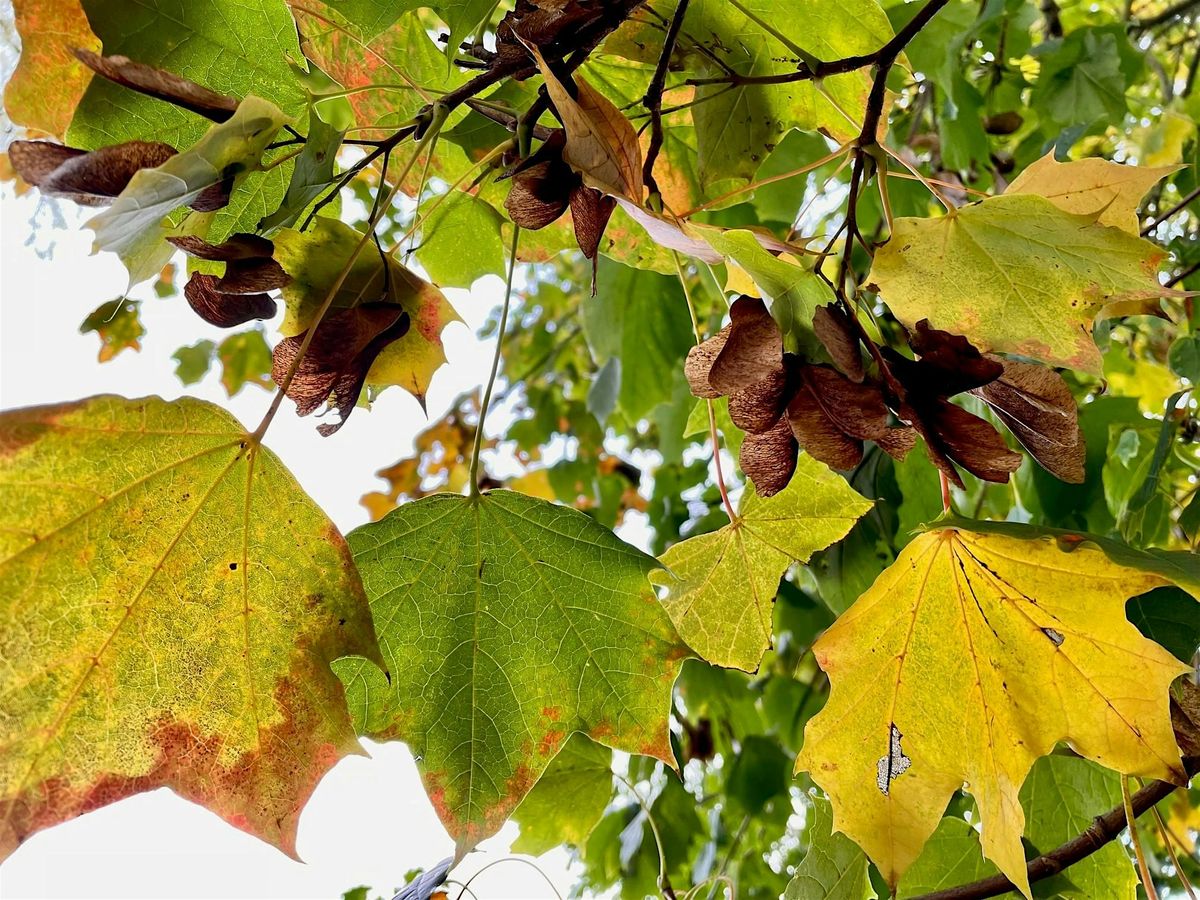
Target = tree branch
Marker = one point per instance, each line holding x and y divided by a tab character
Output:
653	99
520	66
1185	720
884	55
1103	830
1171	12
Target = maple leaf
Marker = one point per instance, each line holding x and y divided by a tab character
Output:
1107	190
49	80
721	586
164	624
582	771
991	270
972	656
509	623
314	259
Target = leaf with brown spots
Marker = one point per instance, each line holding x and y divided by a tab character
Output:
973	655
991	270
49	81
509	623
170	604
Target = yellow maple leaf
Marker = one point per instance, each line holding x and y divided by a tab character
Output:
721	586
970	657
1091	186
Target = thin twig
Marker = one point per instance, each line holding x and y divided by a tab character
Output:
653	98
473	475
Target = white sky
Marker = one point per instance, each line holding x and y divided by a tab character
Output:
369	820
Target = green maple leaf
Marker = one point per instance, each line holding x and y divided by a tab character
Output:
509	623
834	867
721	586
170	602
1018	274
582	771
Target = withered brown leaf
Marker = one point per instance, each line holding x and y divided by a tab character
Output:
161	84
335	366
1037	406
223	309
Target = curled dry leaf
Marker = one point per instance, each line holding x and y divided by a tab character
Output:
769	459
163	85
1036	405
836	333
225	310
753	349
335	366
601	144
700	361
89	178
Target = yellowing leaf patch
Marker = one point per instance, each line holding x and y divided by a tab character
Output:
969	658
170	602
1094	186
314	259
49	81
1018	274
721	586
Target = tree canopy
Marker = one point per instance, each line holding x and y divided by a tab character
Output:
839	540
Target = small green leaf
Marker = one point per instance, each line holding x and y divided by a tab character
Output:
721	586
245	359
1061	796
568	800
834	867
460	240
192	363
118	325
951	857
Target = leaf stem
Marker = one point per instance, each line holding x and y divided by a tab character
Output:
1136	841
473	476
712	416
1168	840
664	882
